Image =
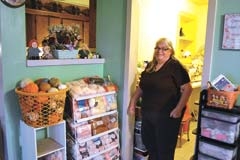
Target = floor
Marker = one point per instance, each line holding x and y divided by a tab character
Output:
187	150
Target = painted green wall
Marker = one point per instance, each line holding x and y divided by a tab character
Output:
110	40
110	43
14	69
225	61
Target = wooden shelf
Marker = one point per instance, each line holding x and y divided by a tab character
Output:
47	146
57	14
56	62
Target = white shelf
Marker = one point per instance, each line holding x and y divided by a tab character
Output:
56	62
93	95
104	151
185	39
98	135
47	146
96	116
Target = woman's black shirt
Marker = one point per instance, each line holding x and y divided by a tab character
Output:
161	89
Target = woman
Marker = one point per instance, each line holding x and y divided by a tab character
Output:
165	89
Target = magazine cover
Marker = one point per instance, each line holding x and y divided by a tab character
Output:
221	83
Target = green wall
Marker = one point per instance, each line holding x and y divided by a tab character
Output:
14	68
110	40
111	17
225	61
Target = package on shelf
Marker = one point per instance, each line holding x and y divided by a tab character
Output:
90	86
93	105
113	154
217	150
79	131
111	120
58	155
220	126
98	125
111	101
92	147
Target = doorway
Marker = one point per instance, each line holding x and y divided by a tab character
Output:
131	59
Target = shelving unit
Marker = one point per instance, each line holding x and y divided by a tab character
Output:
33	148
186	37
217	132
96	135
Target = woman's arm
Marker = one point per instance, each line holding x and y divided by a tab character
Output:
186	90
132	104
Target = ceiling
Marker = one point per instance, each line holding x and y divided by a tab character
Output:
84	3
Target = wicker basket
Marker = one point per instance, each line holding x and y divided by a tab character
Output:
42	109
222	99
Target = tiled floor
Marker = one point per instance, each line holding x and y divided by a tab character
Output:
187	150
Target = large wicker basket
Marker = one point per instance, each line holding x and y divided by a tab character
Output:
222	99
42	109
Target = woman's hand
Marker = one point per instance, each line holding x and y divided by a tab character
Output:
131	109
176	112
132	103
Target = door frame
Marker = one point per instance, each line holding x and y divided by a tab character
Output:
127	122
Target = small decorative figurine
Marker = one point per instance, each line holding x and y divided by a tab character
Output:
47	54
33	50
84	52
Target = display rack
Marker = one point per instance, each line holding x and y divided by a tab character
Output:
217	132
95	134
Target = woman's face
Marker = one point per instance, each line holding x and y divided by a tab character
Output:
162	52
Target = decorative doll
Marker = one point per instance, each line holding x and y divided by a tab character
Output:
33	50
47	54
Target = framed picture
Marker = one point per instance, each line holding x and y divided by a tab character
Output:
13	3
231	31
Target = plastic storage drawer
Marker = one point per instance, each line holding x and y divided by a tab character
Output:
218	151
205	157
219	126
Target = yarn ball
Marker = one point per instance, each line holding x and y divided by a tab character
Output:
44	86
54	82
62	86
53	90
31	88
24	82
40	80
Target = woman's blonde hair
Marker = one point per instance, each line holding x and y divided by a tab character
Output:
152	64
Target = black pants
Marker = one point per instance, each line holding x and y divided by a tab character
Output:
160	134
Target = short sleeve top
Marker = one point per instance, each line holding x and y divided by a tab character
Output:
161	89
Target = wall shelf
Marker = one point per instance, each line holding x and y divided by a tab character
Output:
56	62
185	39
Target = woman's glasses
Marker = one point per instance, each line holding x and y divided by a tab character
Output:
161	49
